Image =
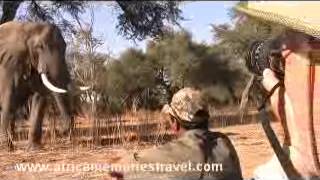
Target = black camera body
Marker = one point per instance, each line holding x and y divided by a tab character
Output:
265	54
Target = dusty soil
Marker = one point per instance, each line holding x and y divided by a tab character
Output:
249	141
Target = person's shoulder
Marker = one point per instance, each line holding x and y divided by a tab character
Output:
220	140
177	150
219	136
168	152
199	135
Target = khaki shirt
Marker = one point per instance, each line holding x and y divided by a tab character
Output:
186	152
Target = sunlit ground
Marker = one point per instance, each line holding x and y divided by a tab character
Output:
249	140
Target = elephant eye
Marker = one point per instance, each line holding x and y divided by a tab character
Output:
41	46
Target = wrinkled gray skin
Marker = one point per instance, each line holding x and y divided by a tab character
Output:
26	50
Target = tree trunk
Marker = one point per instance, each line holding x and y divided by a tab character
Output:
9	9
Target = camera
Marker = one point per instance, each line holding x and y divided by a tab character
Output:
265	54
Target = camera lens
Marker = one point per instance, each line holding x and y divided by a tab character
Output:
258	57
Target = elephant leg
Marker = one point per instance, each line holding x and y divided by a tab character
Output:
7	120
12	127
36	119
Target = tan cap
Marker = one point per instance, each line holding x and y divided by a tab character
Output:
302	16
185	104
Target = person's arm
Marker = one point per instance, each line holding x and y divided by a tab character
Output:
159	154
269	81
162	153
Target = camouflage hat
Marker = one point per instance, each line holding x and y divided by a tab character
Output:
185	104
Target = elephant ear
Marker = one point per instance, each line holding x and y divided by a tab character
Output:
37	43
32	55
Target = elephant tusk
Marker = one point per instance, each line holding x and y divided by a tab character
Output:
50	86
84	88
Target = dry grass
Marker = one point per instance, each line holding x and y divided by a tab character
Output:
110	138
249	140
128	129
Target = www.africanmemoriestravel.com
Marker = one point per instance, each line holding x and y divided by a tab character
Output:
105	167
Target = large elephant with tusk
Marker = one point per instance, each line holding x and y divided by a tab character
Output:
33	65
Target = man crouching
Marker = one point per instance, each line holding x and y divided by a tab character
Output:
197	153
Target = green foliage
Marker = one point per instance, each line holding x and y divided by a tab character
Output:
244	31
174	53
141	19
130	74
53	12
188	63
148	79
129	78
136	20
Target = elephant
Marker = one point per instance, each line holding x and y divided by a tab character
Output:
33	67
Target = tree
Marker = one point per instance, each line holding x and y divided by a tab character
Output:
141	19
148	79
237	38
187	63
50	11
86	64
129	80
9	10
174	55
136	19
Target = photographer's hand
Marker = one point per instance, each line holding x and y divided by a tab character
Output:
269	79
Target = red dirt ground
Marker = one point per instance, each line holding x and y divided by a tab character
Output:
249	140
